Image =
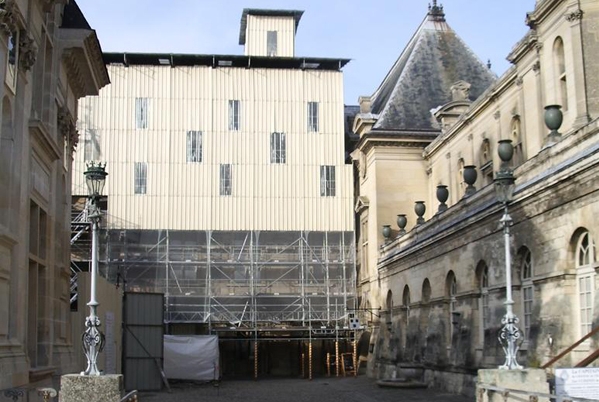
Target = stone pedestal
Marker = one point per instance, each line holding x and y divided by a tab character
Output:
102	388
530	380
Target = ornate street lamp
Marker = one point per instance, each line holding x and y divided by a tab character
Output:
504	187
93	339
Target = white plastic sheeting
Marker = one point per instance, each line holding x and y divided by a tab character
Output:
191	357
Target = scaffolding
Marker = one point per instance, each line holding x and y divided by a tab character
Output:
239	280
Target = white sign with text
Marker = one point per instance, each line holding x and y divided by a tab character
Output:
577	382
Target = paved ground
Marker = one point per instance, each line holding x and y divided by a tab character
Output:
333	389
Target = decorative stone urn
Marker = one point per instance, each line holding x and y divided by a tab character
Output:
470	176
420	209
442	196
553	121
386	232
505	150
402	221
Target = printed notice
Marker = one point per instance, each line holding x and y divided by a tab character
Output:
577	382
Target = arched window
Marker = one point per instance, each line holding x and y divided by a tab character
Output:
486	161
482	276
516	134
526	275
389	306
585	278
561	82
426	291
451	290
405	301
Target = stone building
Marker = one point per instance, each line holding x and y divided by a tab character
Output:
50	58
435	121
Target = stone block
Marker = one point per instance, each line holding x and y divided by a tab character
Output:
529	380
102	388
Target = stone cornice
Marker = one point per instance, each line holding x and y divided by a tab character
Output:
408	139
529	42
542	10
82	58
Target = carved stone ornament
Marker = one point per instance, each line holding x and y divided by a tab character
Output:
536	67
48	4
574	15
519	81
27	51
460	90
66	125
8	21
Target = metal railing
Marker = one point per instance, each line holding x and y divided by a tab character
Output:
21	393
583	363
506	393
130	397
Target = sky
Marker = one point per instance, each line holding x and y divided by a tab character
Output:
372	33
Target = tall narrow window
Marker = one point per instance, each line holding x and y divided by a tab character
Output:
452	291
37	339
585	278
194	146
278	149
327	181
482	272
313	117
141	177
13	59
486	162
141	112
234	112
518	157
364	260
225	179
560	72
405	299
527	290
271	43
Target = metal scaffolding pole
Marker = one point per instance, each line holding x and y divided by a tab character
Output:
208	291
327	277
303	277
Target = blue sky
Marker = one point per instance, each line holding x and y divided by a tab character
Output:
372	33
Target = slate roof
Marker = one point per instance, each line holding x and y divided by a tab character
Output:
420	80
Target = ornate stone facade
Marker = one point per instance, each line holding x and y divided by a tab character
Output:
36	344
442	285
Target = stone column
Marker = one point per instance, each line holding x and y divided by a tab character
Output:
101	388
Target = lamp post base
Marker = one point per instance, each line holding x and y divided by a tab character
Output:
77	388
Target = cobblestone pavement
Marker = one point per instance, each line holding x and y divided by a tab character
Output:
332	389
